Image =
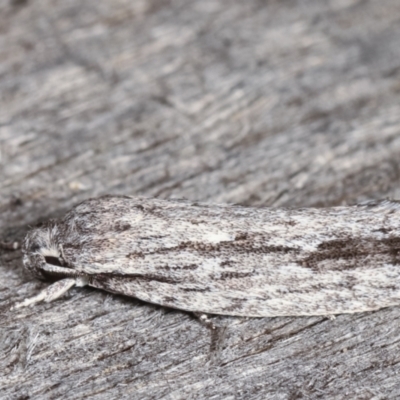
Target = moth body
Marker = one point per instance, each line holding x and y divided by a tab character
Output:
224	259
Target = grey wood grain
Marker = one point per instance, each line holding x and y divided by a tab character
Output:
284	103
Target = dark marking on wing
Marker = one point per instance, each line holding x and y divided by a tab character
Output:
122	226
236	304
197	221
235	275
242	236
128	277
179	267
136	254
291	223
200	290
353	252
226	263
151	237
238	246
383	230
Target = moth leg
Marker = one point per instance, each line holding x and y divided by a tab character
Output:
205	320
51	293
217	333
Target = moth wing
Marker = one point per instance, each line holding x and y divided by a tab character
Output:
235	260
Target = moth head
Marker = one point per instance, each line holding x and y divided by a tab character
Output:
42	251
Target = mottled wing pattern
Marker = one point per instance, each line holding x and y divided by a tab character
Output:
233	260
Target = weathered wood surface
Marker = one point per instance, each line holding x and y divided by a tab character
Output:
284	103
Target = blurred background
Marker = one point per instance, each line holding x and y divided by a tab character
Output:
257	102
249	102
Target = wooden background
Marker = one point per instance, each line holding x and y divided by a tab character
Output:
257	102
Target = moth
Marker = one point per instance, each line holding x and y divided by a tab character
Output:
223	259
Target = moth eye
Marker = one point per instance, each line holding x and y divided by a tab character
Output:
53	261
34	247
